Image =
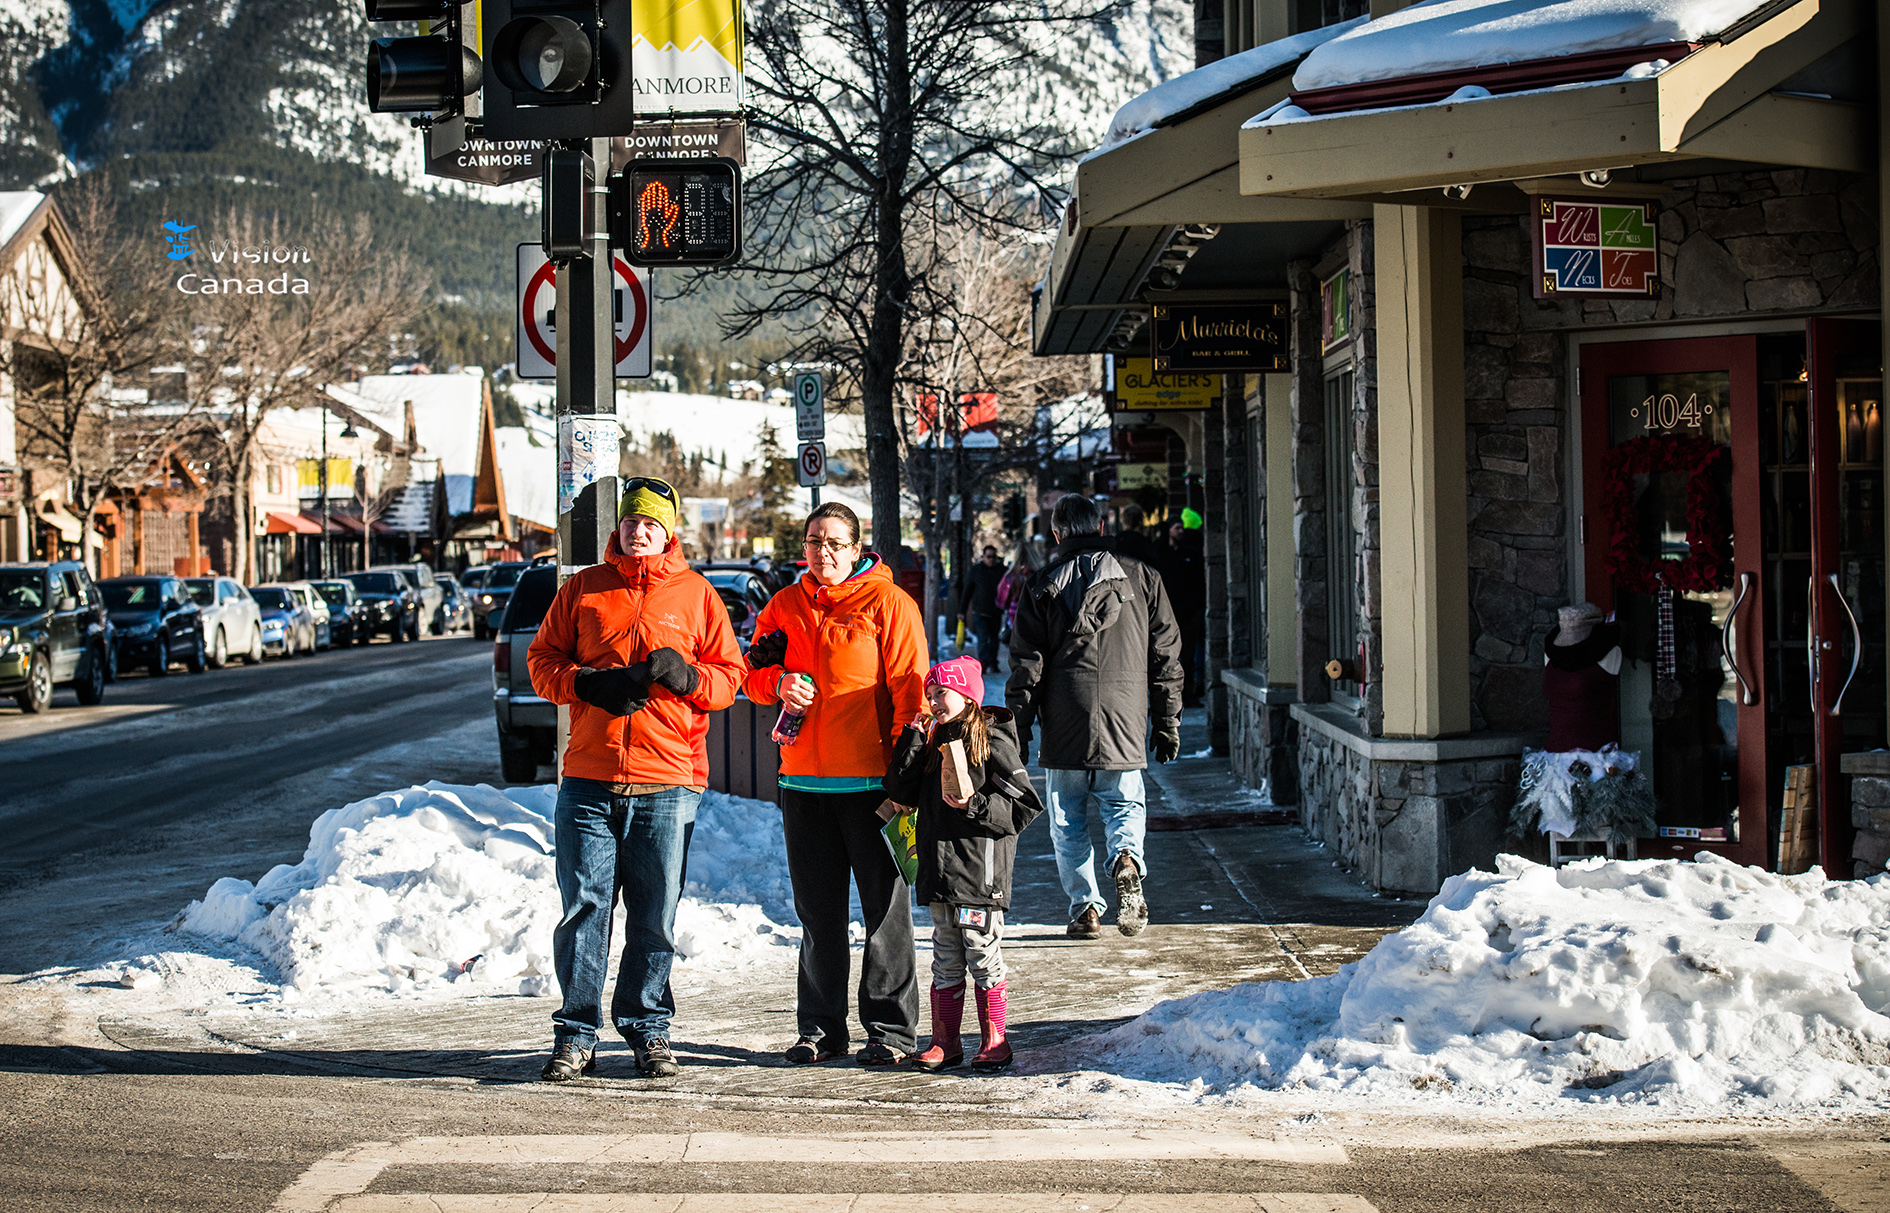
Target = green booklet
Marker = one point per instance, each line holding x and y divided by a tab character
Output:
902	839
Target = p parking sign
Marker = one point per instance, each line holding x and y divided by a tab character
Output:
810	407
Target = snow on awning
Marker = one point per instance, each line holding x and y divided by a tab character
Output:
1716	100
1459	35
1191	92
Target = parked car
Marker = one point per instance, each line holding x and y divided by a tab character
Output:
158	623
347	623
288	623
474	579
488	606
744	593
231	619
54	629
455	603
420	575
392	603
318	607
528	724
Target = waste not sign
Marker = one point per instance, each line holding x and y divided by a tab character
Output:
537	323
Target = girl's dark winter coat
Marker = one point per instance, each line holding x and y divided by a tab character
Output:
966	855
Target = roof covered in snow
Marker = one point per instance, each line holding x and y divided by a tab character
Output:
1221	80
447	421
530	473
16	207
1457	35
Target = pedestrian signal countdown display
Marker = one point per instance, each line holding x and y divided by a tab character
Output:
677	212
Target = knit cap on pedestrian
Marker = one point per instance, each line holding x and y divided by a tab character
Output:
646	502
1190	521
962	674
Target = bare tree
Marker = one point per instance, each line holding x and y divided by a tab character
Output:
253	350
885	120
976	340
83	314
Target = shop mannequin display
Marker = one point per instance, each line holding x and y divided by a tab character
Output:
1580	679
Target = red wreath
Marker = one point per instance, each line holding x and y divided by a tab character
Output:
1708	565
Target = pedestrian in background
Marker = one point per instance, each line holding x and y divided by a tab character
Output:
1184	576
1011	590
859	639
966	780
1134	541
978	606
1095	657
641	650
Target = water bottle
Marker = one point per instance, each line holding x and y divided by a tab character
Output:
787	729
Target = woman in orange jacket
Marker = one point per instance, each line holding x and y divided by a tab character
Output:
844	645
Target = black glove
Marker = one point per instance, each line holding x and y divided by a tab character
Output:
671	669
767	650
619	690
1167	743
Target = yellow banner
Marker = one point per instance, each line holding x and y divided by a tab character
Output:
1139	387
340	474
686	55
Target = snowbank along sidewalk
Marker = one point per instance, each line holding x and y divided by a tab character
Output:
1687	987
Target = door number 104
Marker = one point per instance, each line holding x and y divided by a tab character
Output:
1665	412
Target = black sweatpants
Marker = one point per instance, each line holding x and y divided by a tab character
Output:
829	836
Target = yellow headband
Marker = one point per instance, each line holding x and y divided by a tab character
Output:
648	503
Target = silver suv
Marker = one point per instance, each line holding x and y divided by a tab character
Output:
528	724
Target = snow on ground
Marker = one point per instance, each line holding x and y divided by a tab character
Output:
1654	984
449	890
1455	35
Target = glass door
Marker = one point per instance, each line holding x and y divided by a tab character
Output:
1844	620
1659	495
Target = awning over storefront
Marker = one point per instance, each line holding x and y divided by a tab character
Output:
277	523
1167	179
1776	82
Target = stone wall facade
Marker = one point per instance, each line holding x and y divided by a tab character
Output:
1870	811
1406	823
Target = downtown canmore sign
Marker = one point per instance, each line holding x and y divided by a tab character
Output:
1219	337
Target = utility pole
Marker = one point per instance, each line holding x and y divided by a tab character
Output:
587	365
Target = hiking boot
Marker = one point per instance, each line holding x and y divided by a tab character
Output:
1086	925
878	1053
946	1048
654	1060
807	1051
994	1052
1131	906
569	1060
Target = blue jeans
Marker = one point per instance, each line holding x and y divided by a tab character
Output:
610	844
1124	807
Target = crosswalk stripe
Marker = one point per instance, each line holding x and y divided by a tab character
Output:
864	1202
348	1173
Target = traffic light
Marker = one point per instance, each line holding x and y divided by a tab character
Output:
1014	513
559	70
428	74
677	212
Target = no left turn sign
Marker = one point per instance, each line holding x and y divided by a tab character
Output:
813	464
537	332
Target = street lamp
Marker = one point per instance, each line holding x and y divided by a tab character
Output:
347	431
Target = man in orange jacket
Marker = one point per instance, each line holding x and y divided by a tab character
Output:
641	650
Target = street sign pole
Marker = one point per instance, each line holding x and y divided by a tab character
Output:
587	384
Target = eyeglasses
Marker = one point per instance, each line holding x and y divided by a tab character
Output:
660	487
833	547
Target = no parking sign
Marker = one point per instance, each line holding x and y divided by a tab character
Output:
537	324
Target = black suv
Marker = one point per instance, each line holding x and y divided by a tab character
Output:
388	603
528	723
158	623
53	629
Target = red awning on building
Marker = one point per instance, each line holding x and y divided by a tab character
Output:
275	523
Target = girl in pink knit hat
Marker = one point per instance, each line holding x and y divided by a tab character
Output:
964	777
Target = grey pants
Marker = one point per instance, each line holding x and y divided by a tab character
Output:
956	949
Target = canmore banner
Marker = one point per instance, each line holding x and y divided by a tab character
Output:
687	56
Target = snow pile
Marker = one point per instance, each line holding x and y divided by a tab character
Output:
1681	985
1456	35
1222	78
453	887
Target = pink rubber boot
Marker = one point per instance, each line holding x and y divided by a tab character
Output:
947	1048
994	1052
